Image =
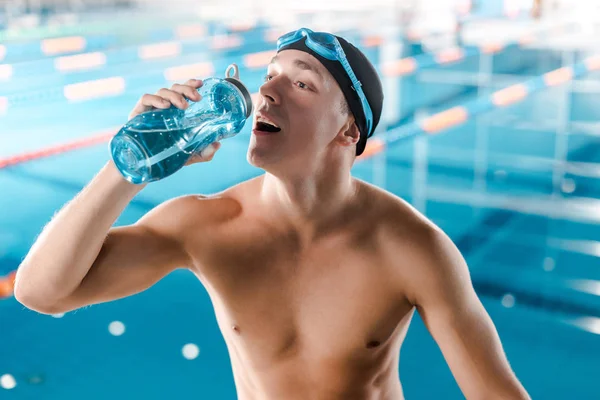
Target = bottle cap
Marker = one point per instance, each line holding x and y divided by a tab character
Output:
235	79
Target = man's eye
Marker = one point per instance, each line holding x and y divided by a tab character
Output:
268	77
302	85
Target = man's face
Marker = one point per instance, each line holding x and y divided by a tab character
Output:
303	99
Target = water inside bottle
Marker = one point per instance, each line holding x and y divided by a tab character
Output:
157	143
162	150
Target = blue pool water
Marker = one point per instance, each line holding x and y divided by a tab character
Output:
490	183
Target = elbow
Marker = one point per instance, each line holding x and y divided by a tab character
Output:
35	300
36	304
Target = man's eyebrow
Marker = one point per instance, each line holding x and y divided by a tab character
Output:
306	66
302	65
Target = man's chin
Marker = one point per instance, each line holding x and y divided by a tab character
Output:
257	157
262	157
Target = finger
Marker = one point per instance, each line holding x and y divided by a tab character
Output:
205	155
194	159
210	151
197	158
195	83
175	98
150	100
147	102
188	91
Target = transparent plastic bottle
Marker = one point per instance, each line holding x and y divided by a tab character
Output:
157	143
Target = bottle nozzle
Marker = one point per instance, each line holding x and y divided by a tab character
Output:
235	79
236	72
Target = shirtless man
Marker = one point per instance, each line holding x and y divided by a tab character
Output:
314	275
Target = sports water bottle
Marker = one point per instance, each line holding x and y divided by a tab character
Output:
157	143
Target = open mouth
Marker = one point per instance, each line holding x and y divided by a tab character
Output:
266	127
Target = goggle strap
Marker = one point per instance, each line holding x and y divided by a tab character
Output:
341	56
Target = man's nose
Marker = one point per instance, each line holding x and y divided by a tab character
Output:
269	91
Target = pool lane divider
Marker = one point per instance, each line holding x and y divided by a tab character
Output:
411	65
457	115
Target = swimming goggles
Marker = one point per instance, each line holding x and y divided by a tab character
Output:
327	46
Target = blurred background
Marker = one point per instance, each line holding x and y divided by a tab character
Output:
490	128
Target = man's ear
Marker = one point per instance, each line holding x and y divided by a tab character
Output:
349	135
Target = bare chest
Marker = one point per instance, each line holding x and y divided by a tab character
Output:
331	301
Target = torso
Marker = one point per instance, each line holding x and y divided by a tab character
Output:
318	321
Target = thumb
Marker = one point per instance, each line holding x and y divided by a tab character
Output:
205	155
210	151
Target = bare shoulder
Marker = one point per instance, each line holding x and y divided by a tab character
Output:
415	249
196	213
394	216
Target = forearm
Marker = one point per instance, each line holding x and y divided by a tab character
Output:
510	389
67	247
514	391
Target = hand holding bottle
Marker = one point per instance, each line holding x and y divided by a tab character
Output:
178	96
180	126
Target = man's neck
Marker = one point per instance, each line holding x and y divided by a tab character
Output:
308	203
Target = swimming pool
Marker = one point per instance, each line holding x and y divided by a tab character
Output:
499	184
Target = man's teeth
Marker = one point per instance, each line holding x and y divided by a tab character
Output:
262	125
264	121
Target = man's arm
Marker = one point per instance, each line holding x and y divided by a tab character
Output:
134	257
444	296
80	260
